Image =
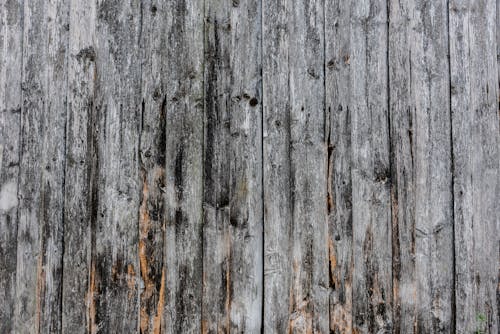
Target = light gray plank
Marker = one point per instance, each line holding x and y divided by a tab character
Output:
80	187
371	219
429	80
41	188
309	295
184	165
11	37
339	195
402	119
233	268
295	154
475	136
276	166
114	280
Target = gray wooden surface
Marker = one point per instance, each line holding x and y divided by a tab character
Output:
249	166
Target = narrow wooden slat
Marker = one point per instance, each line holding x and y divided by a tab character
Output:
152	166
309	303
11	37
475	124
371	220
402	120
184	116
114	280
295	154
232	249
80	169
276	166
339	192
433	200
41	187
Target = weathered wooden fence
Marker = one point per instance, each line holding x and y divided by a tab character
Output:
247	166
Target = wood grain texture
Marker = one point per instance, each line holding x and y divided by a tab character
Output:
372	286
308	154
232	234
338	111
152	153
475	138
296	253
433	167
184	117
11	48
276	167
402	134
114	280
41	185
249	166
80	191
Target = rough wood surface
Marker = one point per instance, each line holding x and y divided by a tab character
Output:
475	126
11	48
249	166
402	135
338	109
114	270
183	103
81	168
232	236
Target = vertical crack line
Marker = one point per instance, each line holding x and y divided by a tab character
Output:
92	153
20	156
329	162
452	185
262	163
65	150
329	149
140	124
393	177
203	150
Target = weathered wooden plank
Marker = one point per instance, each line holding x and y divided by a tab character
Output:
80	187
233	269
402	120
114	274
41	187
296	258
429	82
475	124
371	220
184	165
276	166
11	37
309	295
347	173
339	191
152	167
